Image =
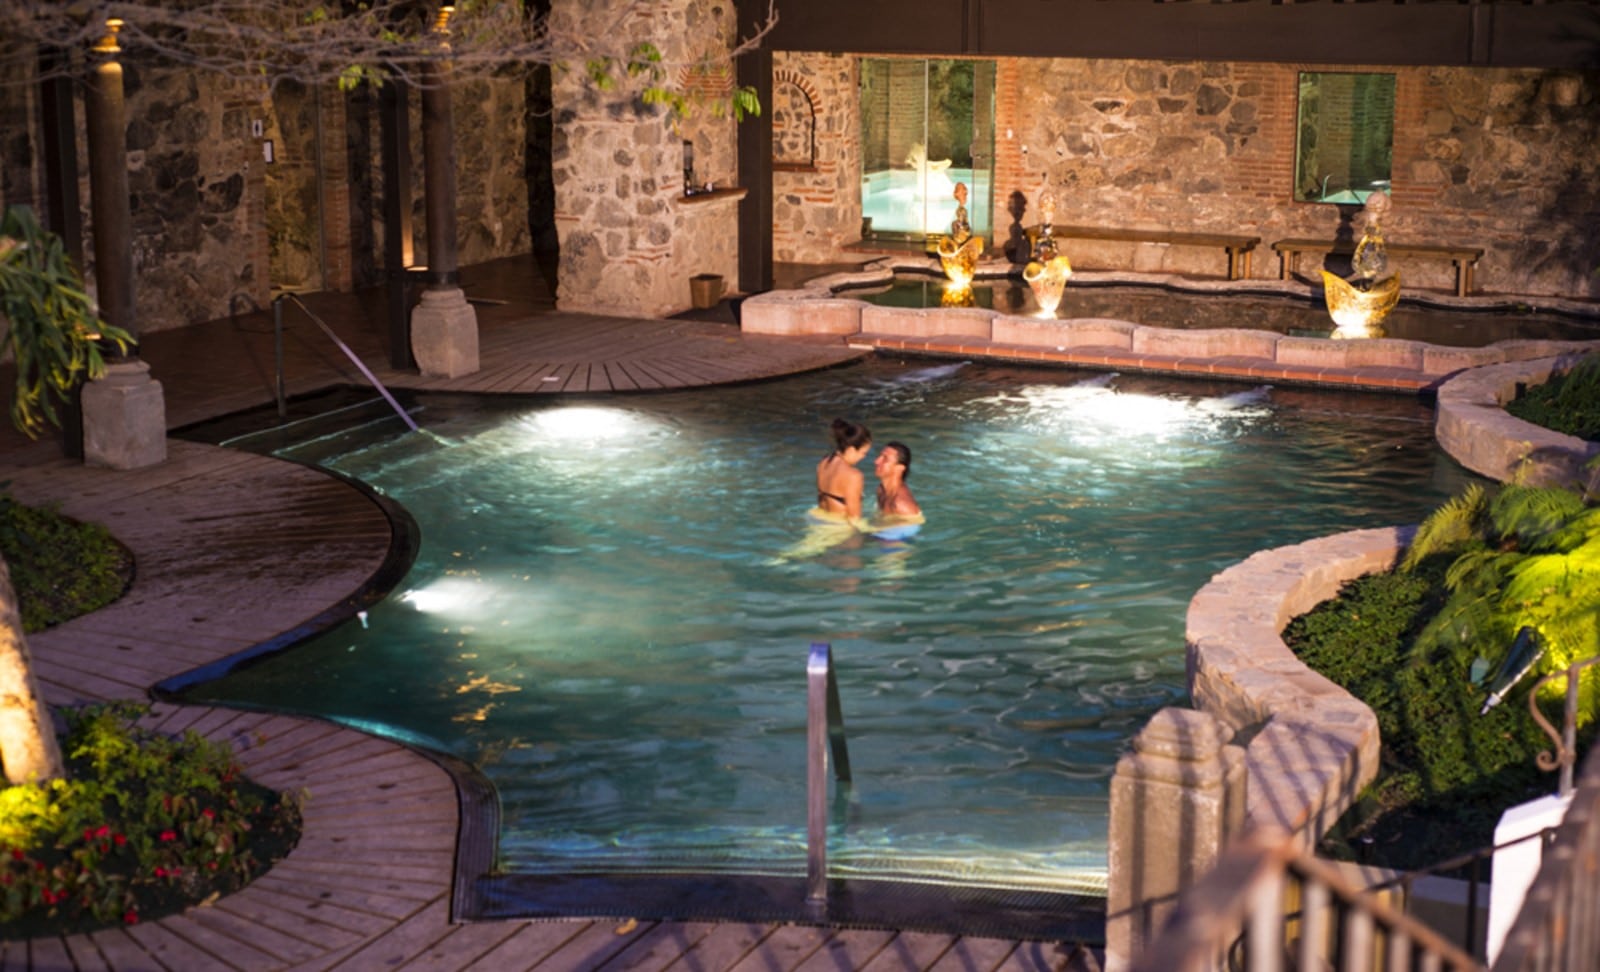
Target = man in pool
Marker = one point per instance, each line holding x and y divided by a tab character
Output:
899	516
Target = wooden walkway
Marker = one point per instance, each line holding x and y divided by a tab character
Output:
233	550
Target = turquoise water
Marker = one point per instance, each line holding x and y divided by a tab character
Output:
610	617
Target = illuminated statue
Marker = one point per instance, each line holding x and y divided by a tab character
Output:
959	251
1046	274
1358	308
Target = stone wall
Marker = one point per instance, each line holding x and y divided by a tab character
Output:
1499	158
629	238
214	220
816	205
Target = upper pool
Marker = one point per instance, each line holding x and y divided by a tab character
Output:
1456	324
609	616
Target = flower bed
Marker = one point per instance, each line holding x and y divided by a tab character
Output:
145	825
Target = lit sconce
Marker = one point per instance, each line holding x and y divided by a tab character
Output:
442	25
107	44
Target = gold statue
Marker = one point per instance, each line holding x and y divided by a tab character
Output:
959	251
1047	278
1358	308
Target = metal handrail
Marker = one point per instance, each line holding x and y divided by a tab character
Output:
277	338
824	732
1566	741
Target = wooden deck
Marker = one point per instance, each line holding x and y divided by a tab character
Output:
233	550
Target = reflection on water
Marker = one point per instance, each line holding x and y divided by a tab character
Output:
1161	307
599	617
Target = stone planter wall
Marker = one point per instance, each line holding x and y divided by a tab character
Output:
1474	427
1313	746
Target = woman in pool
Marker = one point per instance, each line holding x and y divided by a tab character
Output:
839	482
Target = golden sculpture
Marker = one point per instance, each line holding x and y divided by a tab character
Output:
1359	312
1047	279
959	252
1358	309
958	295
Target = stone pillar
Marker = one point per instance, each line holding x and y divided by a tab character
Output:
1176	799
444	327
124	413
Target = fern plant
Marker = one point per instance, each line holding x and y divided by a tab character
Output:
54	332
1524	556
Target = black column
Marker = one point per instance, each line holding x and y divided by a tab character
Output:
755	159
105	113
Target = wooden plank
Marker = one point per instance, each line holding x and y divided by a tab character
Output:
725	946
174	951
591	948
226	925
312	904
529	946
48	953
974	955
784	949
85	957
660	947
847	949
463	945
122	951
910	950
396	946
307	927
1050	957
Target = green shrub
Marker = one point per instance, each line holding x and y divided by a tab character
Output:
145	825
1446	774
61	568
1568	403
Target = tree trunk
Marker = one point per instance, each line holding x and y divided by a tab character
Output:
28	750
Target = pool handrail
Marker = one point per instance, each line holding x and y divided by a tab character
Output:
824	731
277	336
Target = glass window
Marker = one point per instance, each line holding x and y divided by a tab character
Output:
1345	144
925	126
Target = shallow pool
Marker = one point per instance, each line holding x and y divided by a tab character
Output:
611	608
1159	306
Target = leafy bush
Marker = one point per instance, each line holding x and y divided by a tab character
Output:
61	568
1568	403
1446	773
144	826
1418	645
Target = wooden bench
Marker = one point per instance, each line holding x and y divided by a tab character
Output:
1464	257
1238	247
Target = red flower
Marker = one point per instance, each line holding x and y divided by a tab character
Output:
167	835
119	840
17	854
161	872
103	831
131	917
208	813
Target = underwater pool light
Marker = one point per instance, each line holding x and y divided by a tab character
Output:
585	423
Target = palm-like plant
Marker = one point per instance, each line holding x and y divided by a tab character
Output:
54	332
1524	557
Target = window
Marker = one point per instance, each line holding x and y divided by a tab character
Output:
1345	145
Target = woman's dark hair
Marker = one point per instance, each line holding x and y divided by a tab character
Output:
849	435
905	456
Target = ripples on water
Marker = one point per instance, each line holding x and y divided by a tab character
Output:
601	617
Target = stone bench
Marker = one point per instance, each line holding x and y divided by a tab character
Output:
1238	247
1464	257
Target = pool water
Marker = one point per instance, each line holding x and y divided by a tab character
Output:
1287	314
612	606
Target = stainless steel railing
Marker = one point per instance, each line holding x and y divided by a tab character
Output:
277	344
824	732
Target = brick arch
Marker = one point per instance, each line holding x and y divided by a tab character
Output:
794	120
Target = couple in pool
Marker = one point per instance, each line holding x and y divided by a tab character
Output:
839	484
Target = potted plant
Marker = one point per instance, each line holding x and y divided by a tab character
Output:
50	323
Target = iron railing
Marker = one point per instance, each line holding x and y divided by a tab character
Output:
1235	918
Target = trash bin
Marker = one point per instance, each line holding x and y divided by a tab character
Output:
705	289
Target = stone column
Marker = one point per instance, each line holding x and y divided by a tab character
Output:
444	327
1176	799
124	413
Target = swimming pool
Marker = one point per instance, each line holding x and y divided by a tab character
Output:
608	615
